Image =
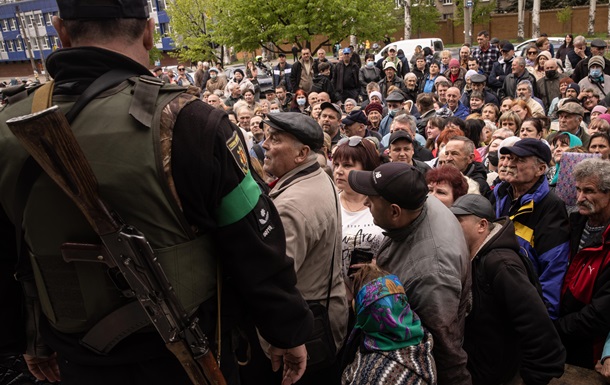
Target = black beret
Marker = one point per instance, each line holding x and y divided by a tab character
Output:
303	127
102	9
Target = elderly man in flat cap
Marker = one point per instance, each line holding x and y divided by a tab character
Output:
169	165
570	115
308	205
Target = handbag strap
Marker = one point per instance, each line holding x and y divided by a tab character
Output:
332	261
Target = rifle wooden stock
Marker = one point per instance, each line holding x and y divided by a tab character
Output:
48	138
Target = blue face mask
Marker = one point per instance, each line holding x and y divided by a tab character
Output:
595	72
370	64
301	102
393	112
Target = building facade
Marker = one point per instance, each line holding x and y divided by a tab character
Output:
27	31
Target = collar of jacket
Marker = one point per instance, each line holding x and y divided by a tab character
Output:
403	232
526	202
80	66
305	169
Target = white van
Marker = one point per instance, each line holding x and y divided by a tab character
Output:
408	46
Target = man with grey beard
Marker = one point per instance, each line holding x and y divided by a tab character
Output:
584	301
540	217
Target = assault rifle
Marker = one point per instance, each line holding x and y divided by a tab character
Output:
48	138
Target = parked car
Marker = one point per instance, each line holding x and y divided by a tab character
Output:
408	46
264	80
521	47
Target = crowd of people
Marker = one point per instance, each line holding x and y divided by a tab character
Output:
513	148
425	220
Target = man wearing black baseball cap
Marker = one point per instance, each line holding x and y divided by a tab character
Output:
330	121
540	216
424	247
355	125
500	342
502	68
91	329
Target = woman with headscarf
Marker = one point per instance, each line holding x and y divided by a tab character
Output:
393	346
561	142
538	68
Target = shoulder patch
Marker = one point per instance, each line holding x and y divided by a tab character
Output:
238	151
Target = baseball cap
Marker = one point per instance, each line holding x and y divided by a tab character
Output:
355	117
333	106
473	204
529	147
508	47
102	9
400	134
389	64
302	127
571	108
398	183
347	50
392	48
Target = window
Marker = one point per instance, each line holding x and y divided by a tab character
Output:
11	46
55	42
45	42
34	44
39	19
447	2
13	23
29	21
162	5
19	45
4	25
49	18
2	48
152	5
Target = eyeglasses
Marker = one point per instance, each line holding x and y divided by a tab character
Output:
532	52
352	141
180	69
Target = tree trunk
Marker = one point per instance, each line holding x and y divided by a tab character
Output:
591	29
521	22
353	41
407	19
536	20
608	33
467	22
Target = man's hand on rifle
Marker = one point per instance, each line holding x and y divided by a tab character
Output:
43	368
294	359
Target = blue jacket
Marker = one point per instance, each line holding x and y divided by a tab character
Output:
461	111
543	231
277	79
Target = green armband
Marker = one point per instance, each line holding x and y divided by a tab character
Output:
239	202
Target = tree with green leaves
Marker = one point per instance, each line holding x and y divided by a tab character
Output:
249	24
424	17
155	53
191	29
481	11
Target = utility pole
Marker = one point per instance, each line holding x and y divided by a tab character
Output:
467	22
26	38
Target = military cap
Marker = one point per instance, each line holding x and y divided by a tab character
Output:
102	9
302	127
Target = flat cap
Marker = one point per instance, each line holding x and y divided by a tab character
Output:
598	43
395	97
572	108
356	116
302	127
102	9
478	78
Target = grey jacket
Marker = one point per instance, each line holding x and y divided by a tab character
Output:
431	258
308	205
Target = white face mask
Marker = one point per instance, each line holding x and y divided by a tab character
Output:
213	76
370	64
274	111
301	102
